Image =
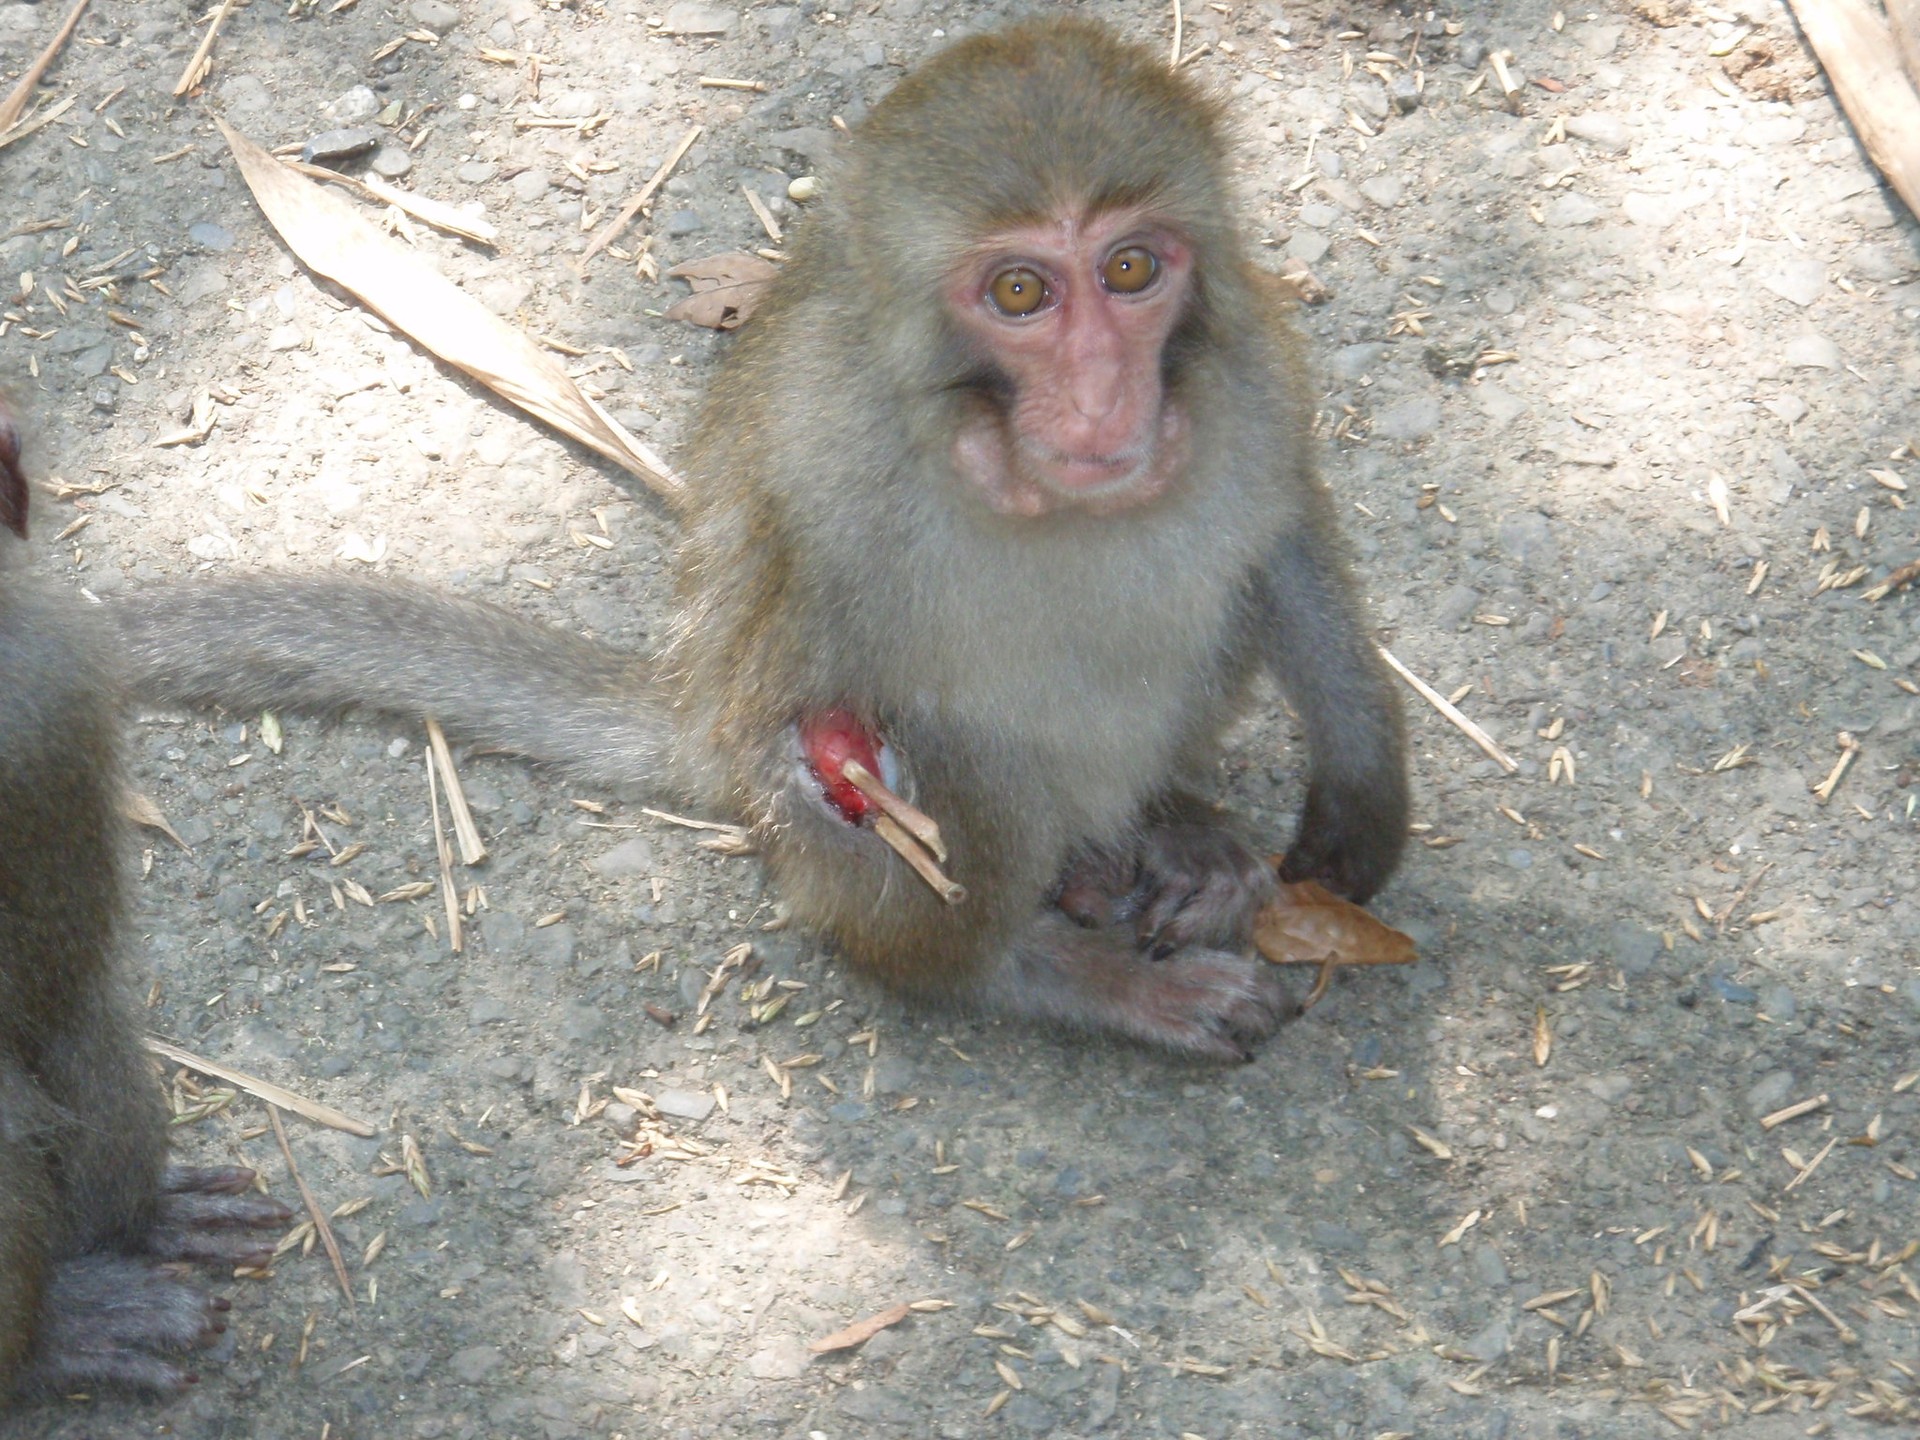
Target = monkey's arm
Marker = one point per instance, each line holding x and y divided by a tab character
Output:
325	643
1311	633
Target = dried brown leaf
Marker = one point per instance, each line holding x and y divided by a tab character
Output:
726	289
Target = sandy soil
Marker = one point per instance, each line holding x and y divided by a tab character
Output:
1618	393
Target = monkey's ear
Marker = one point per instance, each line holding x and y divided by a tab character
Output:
13	479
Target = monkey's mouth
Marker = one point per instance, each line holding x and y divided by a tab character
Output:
1083	474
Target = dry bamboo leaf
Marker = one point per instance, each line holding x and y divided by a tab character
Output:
330	238
860	1331
726	289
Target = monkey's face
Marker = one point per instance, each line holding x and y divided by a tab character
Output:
1070	319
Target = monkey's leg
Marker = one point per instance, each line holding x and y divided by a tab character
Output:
1354	824
1199	1002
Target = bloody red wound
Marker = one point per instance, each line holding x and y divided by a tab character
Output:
830	740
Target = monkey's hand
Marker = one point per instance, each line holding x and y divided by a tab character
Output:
118	1320
1349	840
1181	884
205	1215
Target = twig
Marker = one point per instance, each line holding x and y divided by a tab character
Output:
909	850
1848	1335
200	64
1447	708
914	821
472	849
263	1089
16	102
633	207
1812	1165
1179	25
314	1212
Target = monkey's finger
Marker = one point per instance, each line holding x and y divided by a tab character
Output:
1159	915
223	1179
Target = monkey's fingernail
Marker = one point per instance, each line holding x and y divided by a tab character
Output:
1163	949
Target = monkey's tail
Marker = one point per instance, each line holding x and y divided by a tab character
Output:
323	644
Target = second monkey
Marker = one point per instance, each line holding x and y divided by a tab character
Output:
1008	488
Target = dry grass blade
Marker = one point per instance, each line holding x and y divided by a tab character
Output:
314	1212
436	213
1447	708
27	127
263	1089
443	854
472	849
633	207
860	1331
331	239
201	63
15	104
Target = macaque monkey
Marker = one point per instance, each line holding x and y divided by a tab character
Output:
1007	492
89	1210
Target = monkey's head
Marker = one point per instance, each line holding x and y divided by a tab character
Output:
13	477
1039	231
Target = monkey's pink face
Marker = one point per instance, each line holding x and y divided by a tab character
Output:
1073	315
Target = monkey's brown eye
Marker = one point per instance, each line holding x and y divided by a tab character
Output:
1130	270
1018	291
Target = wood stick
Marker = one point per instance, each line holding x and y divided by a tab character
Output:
263	1089
613	227
1863	63
909	850
16	102
915	822
1447	708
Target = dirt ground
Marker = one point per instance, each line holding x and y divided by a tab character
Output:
1619	396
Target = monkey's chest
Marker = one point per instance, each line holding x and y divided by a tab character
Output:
1082	695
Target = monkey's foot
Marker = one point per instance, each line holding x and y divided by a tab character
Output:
119	1321
204	1216
1181	885
1196	1001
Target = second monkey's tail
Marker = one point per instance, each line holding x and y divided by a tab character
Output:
323	644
